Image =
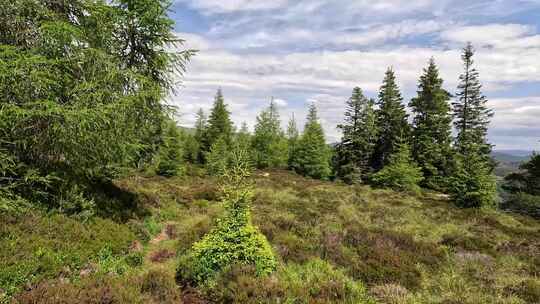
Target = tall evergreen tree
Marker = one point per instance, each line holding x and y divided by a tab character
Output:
269	143
219	123
473	183
292	136
170	157
432	128
472	116
312	155
391	121
354	152
200	130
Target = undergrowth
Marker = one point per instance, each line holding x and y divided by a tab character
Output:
333	244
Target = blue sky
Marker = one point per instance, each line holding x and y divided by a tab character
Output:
302	51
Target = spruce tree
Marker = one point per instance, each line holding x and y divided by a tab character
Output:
170	157
472	116
473	184
199	136
354	152
269	143
432	128
312	155
292	137
219	123
401	173
391	121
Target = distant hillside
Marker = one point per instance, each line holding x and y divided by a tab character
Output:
509	160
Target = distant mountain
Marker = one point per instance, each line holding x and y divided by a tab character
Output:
509	160
511	155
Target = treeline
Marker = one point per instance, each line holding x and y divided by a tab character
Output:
379	145
81	90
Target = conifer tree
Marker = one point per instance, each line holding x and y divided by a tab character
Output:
312	155
170	157
473	184
354	152
293	137
219	123
391	121
199	136
401	173
472	116
432	129
269	143
243	138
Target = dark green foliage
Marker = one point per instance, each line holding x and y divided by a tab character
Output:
355	151
170	157
432	130
219	124
471	114
199	136
312	154
81	84
401	173
391	121
268	142
472	184
528	179
524	187
292	136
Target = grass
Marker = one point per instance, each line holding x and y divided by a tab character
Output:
334	244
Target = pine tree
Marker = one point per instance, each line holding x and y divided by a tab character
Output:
354	152
391	121
432	129
269	143
219	123
401	173
472	116
312	155
292	137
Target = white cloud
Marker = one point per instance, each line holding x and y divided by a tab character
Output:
280	102
502	36
227	6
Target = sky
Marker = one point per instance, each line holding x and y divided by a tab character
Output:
304	51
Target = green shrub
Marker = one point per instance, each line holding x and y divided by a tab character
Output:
401	174
234	240
523	203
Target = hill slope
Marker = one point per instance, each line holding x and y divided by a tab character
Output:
334	243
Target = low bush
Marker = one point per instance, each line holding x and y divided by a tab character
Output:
34	247
161	286
523	203
315	281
